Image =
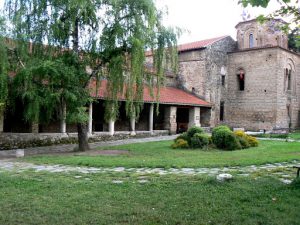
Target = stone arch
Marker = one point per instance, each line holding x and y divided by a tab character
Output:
249	34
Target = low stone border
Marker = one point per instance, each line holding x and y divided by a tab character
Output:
29	140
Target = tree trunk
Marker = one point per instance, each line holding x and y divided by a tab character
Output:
83	144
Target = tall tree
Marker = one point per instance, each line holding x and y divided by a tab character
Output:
64	43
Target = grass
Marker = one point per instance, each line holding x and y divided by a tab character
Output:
43	198
293	135
159	154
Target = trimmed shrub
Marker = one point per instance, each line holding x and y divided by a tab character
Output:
218	136
231	141
199	140
194	130
180	143
243	141
253	142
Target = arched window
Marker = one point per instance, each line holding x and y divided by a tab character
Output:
241	79
251	41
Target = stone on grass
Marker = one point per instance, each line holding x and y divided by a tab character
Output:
117	182
224	177
20	153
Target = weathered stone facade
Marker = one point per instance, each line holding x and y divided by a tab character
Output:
270	99
201	71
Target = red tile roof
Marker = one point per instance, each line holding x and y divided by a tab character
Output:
199	44
194	45
168	95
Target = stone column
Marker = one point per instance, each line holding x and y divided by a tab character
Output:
170	119
151	118
1	120
63	125
132	126
194	117
111	127
90	128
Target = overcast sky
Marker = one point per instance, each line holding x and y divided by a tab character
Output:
205	18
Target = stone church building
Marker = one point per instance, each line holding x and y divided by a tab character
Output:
252	83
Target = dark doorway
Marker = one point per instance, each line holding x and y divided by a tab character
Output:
182	119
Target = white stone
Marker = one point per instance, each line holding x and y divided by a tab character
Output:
117	182
224	177
20	153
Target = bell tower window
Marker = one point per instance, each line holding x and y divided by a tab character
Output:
251	41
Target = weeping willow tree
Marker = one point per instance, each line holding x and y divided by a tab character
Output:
55	41
3	70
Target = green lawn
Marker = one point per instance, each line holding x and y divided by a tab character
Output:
43	198
159	154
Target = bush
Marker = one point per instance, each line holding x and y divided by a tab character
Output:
253	142
194	130
183	136
199	140
222	127
218	136
180	143
243	141
231	141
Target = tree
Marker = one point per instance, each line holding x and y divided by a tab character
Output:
59	43
294	37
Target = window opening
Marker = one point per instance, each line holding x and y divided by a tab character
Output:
251	41
221	111
223	80
241	80
289	76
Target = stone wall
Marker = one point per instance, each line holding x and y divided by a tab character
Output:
266	34
263	103
200	72
28	140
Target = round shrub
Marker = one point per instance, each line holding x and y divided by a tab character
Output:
222	127
180	143
199	140
231	141
243	141
253	142
218	136
194	130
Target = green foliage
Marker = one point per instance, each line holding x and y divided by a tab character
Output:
225	139
44	85
253	142
231	142
199	140
108	36
193	130
294	40
180	143
3	68
218	136
243	141
184	136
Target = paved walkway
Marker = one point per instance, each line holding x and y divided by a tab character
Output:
70	147
283	171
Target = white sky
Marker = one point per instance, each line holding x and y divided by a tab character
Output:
205	18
